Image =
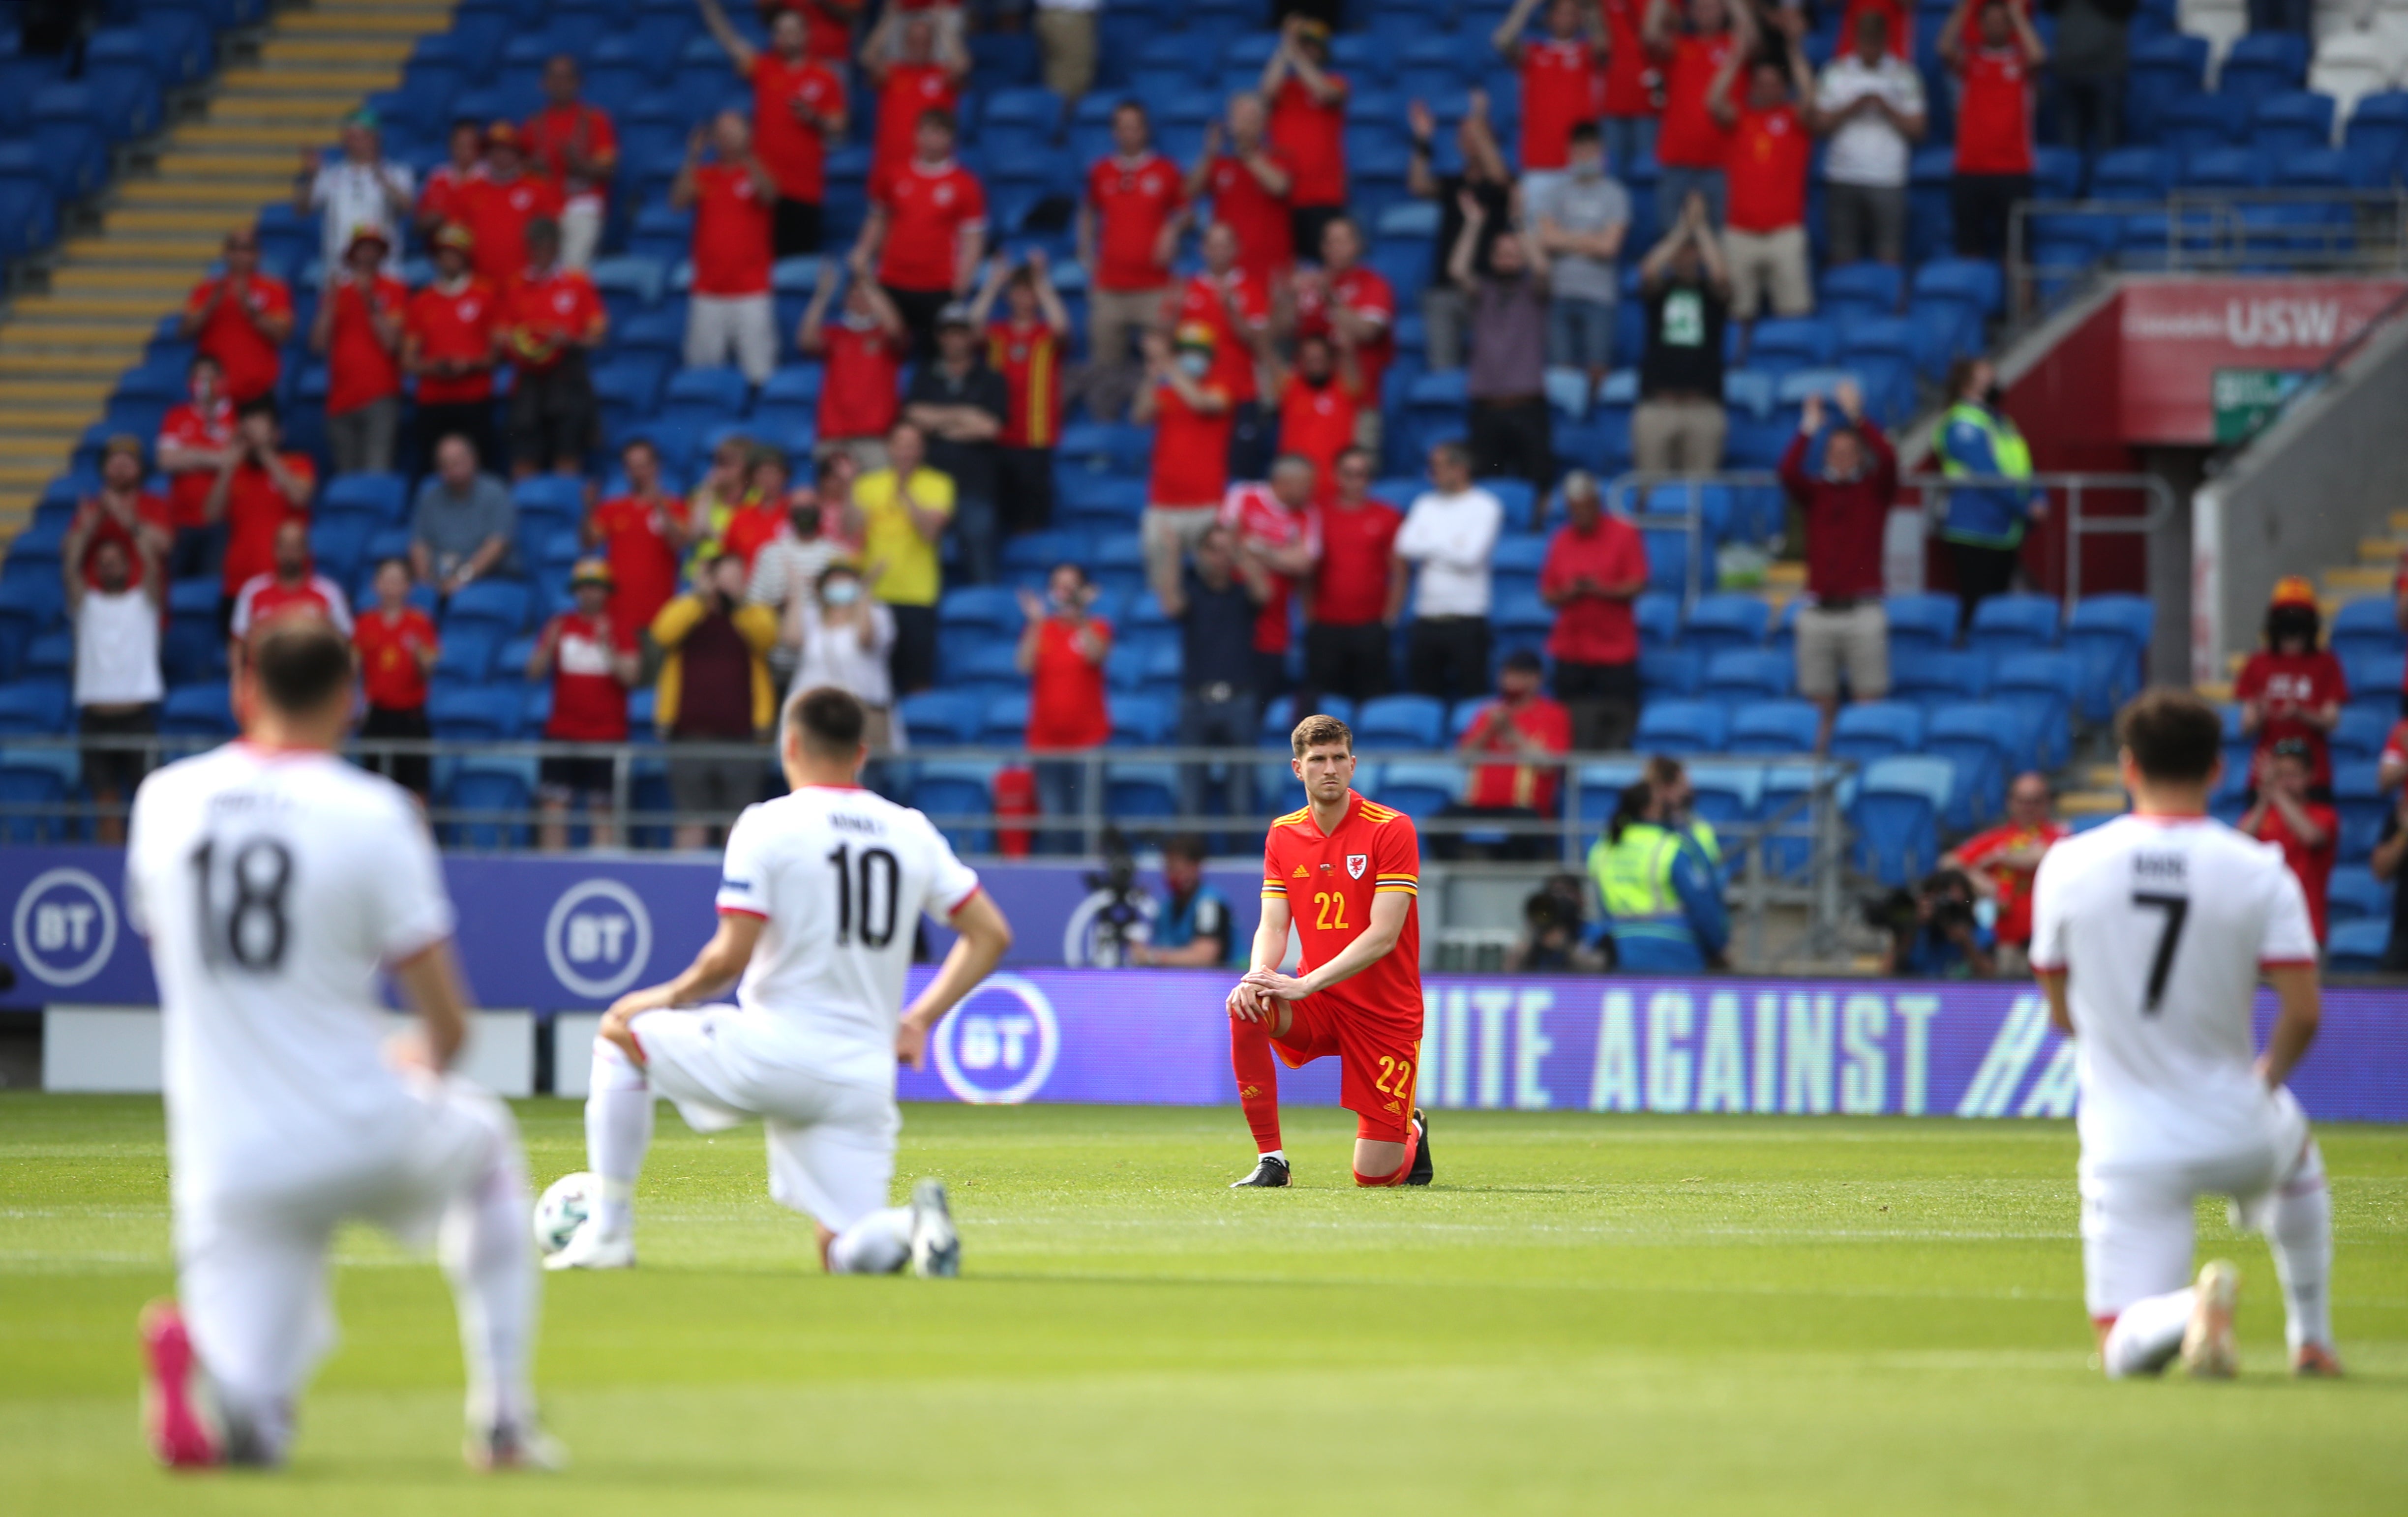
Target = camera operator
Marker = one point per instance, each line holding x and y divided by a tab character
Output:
1551	942
1938	934
1191	929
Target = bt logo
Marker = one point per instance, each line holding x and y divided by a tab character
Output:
999	1045
64	927
598	938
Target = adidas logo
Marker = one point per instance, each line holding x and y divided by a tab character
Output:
1299	872
1247	1093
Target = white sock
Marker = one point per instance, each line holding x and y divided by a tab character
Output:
618	1130
2298	1223
486	1252
2147	1334
876	1245
1281	1154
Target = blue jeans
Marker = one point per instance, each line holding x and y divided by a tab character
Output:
1627	138
1674	186
1061	787
1227	723
974	525
1579	334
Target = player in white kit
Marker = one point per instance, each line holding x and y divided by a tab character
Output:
818	900
274	881
2149	936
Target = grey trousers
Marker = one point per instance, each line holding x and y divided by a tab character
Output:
360	441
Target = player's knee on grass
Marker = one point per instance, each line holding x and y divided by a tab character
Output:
1381	1155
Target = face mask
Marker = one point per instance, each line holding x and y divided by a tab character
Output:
1195	364
1995	396
841	592
806	522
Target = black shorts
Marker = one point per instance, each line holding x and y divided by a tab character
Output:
919	310
565	778
795	228
1306	223
117	770
1025	493
554	416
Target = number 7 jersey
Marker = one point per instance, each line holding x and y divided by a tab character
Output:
2162	926
1328	881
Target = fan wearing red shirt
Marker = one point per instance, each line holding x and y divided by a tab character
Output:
2000	864
591	671
2286	814
799	109
240	318
1129	224
642	534
442	197
827	27
1347	296
860	389
498	207
1563	75
1842	628
1994	121
1308	123
926	230
574	146
1275	526
1594	573
1062	651
450	332
551	319
1631	84
259	490
398	647
1318	400
920	74
194	440
358	329
1522	723
1690	144
1357	589
122	513
1026	345
2293	690
1235	305
1344	873
293	588
1895	14
1189	410
1249	185
730	313
1764	234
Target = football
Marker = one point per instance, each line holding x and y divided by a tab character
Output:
562	1207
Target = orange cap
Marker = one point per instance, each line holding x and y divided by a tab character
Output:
2294	589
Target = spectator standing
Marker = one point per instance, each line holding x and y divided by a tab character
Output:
1594	571
293	587
443	196
554	319
397	647
2001	861
1983	525
116	608
2390	852
1764	233
464	525
641	535
1511	429
1486	176
1691	146
122	511
358	328
916	67
1353	305
842	638
1563	75
359	187
1679	425
450	339
1523	725
1130	221
928	231
258	488
1450	532
592	665
764	514
726	488
2086	72
2292	691
240	318
2287	814
195	439
730	313
574	145
1250	182
1994	127
1578	220
1194	928
1026	345
1898	25
902	510
1319	400
827	27
788	568
1308	123
961	404
1663	900
1215	600
863	353
1869	105
1630	86
1189	410
1358	589
799	109
1235	305
1062	651
714	688
1842	628
1065	48
1274	526
498	206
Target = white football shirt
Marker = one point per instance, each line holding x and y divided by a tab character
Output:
840	877
274	885
2162	926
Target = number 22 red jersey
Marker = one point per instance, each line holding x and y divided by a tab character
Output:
1329	880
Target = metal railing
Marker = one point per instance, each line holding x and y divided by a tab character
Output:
1641	486
2070	488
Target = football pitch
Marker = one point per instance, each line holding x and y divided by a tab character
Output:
1585	1313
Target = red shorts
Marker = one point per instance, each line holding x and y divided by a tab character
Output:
1378	1061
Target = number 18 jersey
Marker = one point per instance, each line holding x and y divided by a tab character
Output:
840	877
2162	926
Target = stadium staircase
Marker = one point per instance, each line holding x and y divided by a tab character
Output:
63	349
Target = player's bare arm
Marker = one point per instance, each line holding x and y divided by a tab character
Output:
984	938
721	961
431	984
1246	1000
1379	936
2295	1024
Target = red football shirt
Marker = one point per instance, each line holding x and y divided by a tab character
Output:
149	510
1562	85
2311	867
1363	292
497	215
188	426
634	536
360	368
2394	746
1520	784
254	509
445	193
731	233
2014	886
928	208
1314	137
1266	238
750	528
1029	359
247	355
1994	112
456	324
2284	686
794	153
827	31
1191	451
266	597
1066	693
1589	630
1349	583
1689	137
1132	199
1317	422
1329	880
1252	514
550	130
910	88
1628	91
561	306
388	646
1901	26
588	703
1233	361
858	392
1767	170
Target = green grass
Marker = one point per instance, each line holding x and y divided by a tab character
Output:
1586	1312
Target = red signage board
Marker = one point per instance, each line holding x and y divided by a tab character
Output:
2177	332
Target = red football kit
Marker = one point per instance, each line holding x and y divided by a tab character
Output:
794	153
1314	137
1233	360
2311	867
149	510
1029	359
497	214
1266	236
1994	114
457	323
1689	137
552	131
390	672
928	207
2283	685
247	356
1317	422
190	426
2015	925
1253	514
1191	451
858	390
1629	89
910	88
1133	200
634	533
1366	294
1766	171
1562	85
360	369
266	597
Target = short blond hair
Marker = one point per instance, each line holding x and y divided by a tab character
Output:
1318	729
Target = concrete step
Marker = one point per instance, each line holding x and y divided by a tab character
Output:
2216	690
290	136
170	221
339	52
48	422
297	79
2378	550
211	164
33	476
326	105
2399	522
55	390
102	363
96	279
397	20
2353	583
203	195
125	247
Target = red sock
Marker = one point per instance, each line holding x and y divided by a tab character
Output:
1257	1071
1412	1146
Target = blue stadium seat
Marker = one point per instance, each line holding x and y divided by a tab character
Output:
488	790
2045	687
197	711
33	708
1418	789
2111	634
2227	169
2161	70
1137	790
2201	122
466	657
2374	677
2013	623
977	660
1719	621
1784	345
1005	721
2353	894
2361	733
1400	723
24	786
1921	623
1037	554
705	394
2292	119
1141	720
1988	744
1749	673
1658	616
1855	290
1727	794
2370	625
501	605
1683	726
1667	561
952	788
1897	812
941	716
1677	671
1774	726
2362	806
485	713
2357	946
1939	677
383	497
1597	785
2258	66
1870	730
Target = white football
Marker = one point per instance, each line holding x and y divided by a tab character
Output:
562	1207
